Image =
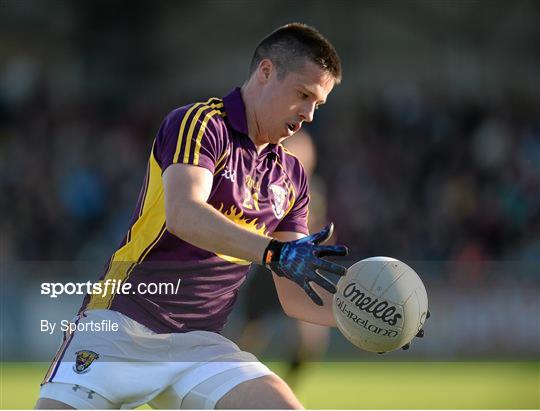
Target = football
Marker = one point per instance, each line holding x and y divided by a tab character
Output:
380	304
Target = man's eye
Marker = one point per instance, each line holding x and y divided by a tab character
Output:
303	95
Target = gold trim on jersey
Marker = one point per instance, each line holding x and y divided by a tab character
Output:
200	135
183	126
145	234
150	227
202	126
220	166
287	151
237	216
217	105
146	183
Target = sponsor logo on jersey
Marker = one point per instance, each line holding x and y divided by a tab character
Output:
84	359
229	174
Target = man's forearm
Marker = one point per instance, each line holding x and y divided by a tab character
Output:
297	304
205	227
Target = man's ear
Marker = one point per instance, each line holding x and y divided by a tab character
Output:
265	70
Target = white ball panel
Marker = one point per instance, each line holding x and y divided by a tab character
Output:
393	271
365	273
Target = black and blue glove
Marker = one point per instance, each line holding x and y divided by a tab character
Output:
301	261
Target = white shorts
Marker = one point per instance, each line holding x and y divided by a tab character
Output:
134	366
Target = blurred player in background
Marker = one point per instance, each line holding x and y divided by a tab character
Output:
262	306
220	192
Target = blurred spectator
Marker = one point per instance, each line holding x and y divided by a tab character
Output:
429	150
415	172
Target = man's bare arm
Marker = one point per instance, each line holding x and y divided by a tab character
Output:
189	217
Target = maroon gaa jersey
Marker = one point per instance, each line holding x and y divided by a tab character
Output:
263	193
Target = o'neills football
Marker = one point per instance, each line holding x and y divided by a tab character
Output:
380	304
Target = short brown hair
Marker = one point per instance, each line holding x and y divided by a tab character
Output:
289	46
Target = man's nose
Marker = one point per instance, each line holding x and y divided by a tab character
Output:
307	113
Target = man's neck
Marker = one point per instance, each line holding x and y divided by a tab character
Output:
248	96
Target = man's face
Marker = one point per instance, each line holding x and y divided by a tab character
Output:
284	105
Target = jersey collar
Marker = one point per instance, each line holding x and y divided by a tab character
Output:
236	111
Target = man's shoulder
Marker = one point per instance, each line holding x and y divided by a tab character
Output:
210	111
291	162
189	132
288	156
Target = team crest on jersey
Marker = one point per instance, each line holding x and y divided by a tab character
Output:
83	360
278	199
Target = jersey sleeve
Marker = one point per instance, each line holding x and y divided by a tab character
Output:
191	135
296	220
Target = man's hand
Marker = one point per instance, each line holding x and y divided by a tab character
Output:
301	261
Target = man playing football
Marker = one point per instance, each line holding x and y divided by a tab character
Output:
220	192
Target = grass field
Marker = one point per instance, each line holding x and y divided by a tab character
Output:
436	385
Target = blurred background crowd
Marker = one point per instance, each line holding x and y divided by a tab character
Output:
429	150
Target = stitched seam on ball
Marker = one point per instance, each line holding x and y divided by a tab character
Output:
393	282
417	298
376	278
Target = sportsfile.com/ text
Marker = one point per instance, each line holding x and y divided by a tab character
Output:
108	287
